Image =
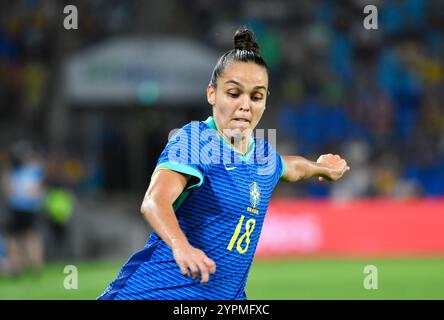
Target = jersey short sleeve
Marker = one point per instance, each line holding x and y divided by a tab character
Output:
182	154
280	166
269	162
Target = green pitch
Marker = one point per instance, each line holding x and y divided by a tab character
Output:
276	279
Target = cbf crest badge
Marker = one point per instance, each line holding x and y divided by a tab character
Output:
255	194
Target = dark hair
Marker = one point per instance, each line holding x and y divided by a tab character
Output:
245	49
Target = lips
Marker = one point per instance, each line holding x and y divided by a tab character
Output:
242	120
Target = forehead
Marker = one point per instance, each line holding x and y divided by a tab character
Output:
248	74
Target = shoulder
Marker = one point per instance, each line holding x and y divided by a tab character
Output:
195	124
264	147
267	156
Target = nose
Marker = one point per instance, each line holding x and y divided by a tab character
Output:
245	104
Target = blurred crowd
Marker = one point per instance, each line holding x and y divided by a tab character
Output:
373	96
36	189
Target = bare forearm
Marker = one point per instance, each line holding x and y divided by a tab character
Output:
160	215
298	168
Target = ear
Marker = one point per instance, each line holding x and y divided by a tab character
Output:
211	95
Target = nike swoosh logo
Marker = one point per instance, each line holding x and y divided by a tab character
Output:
230	168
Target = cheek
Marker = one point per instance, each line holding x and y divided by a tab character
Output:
225	110
228	106
258	111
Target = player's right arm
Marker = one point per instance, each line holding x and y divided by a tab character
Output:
157	208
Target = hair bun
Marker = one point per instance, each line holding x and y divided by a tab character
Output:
244	39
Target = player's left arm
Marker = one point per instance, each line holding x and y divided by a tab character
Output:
328	166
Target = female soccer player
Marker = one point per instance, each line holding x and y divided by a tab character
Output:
209	193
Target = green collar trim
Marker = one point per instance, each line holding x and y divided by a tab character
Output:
245	157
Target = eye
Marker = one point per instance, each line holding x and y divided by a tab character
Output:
256	98
233	95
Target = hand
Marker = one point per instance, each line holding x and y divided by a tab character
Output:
193	261
334	167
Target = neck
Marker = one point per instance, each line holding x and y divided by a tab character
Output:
239	144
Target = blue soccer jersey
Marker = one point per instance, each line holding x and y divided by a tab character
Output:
221	212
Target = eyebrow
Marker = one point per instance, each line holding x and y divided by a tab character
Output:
240	85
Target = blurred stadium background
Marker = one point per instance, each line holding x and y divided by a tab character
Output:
97	104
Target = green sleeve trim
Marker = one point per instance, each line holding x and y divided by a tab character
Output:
212	125
284	167
185	169
182	168
183	196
